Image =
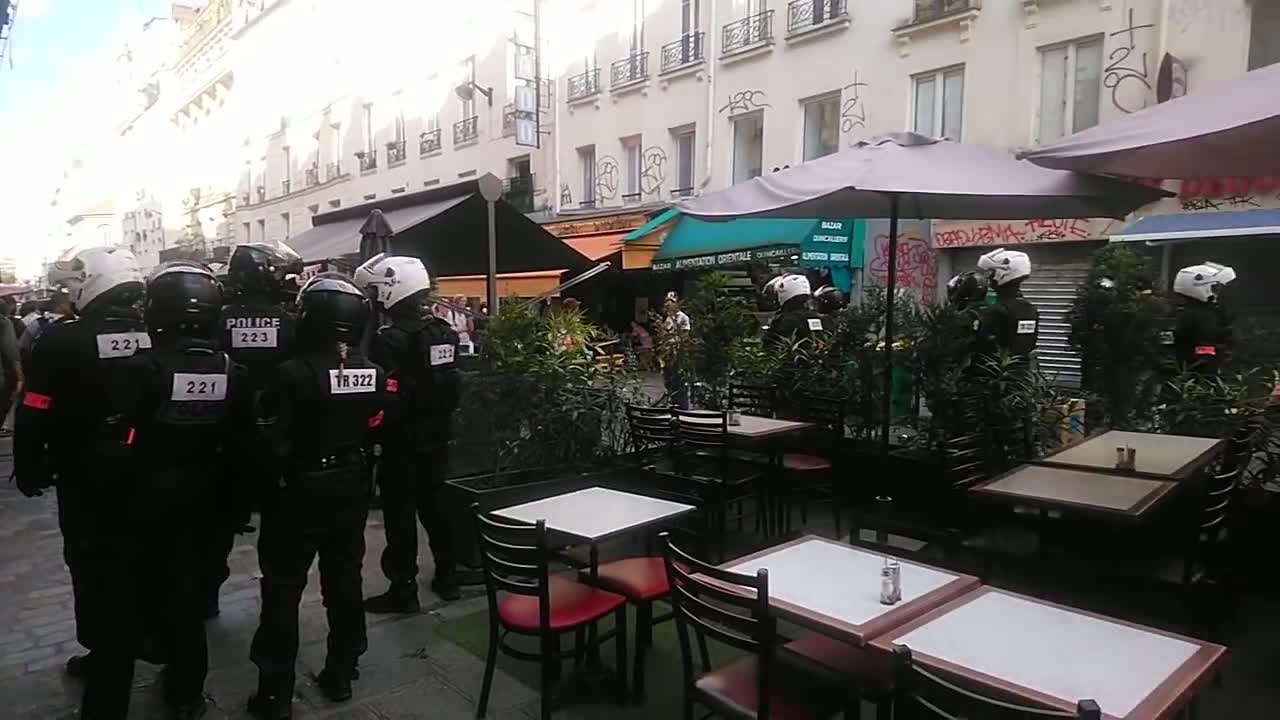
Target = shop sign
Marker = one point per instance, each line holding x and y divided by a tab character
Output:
830	243
982	233
590	226
725	259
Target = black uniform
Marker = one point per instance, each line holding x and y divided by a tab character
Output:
318	413
74	430
1010	324
1202	337
796	321
258	334
196	407
419	357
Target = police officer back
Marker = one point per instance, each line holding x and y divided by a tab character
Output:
74	430
318	412
196	405
1202	335
418	351
795	320
258	333
1010	324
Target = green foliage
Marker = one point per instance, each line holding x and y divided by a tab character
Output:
722	324
1211	406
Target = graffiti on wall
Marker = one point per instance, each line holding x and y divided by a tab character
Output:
853	110
917	266
566	195
606	178
746	101
1126	67
979	233
653	170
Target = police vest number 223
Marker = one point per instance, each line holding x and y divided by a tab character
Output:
265	337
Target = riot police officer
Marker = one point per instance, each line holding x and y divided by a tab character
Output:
258	333
195	405
796	319
1202	335
418	351
74	430
1011	323
830	300
318	411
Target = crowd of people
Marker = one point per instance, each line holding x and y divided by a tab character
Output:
162	410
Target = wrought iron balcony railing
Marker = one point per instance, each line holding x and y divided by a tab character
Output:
518	191
395	152
685	51
368	160
583	85
682	192
508	120
466	130
629	69
333	170
805	14
285	186
429	142
748	31
926	10
262	193
312	176
632	198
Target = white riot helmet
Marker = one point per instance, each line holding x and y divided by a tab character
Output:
89	274
788	286
390	279
1005	266
1203	282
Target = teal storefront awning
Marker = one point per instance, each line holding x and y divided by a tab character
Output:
700	244
654	223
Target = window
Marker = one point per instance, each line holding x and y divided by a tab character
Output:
748	146
821	127
262	230
287	174
288	225
398	128
433	122
368	127
689	12
469	75
631	181
1264	34
1070	88
245	232
686	156
939	103
637	27
335	150
587	161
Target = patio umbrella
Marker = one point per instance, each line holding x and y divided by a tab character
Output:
1226	131
374	234
905	175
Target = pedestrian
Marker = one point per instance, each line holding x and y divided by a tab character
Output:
11	328
318	411
57	309
196	406
73	432
676	327
418	352
460	322
258	333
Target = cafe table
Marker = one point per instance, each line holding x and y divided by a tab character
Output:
755	427
596	514
1069	490
754	430
834	588
1167	457
1039	652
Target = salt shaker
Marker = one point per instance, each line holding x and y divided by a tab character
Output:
1131	458
886	584
1119	458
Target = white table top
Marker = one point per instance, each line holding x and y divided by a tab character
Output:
754	426
837	586
1170	456
1051	485
595	513
1057	652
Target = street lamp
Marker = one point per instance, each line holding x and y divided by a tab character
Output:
466	92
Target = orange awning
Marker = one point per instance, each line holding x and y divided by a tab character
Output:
524	284
596	245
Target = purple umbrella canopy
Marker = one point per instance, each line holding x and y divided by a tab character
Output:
1227	131
374	234
928	179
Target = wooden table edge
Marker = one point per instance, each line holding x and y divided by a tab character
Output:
1163	488
612	533
1187	469
1158	704
796	426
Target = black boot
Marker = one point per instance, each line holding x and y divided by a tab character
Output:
401	597
335	684
274	699
446	587
189	711
78	665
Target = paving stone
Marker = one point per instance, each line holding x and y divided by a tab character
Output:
430	697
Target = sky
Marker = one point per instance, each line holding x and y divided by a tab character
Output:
57	49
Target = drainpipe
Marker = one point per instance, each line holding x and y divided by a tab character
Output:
711	97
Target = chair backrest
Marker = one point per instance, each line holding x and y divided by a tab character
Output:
1216	509
921	690
730	608
514	556
964	461
701	430
752	399
650	427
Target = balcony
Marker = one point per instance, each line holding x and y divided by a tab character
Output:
465	131
683	192
246	198
748	32
368	160
333	171
262	193
518	191
929	10
683	52
584	85
312	176
285	186
508	120
804	15
395	152
629	70
632	198
429	142
930	16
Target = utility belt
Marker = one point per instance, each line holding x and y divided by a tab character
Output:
337	462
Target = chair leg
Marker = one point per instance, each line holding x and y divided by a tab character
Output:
704	652
620	646
490	663
550	670
644	639
579	647
884	709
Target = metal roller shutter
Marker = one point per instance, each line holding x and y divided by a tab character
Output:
1052	289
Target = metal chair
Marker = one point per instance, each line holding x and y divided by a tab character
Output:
526	599
716	476
651	431
809	475
917	689
752	399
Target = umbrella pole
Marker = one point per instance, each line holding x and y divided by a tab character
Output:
891	287
491	278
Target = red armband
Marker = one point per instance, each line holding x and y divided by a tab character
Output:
393	385
376	420
1206	350
36	400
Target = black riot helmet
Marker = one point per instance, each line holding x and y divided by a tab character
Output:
967	289
830	299
183	298
260	269
331	309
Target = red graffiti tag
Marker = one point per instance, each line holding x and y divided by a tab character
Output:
917	267
1012	233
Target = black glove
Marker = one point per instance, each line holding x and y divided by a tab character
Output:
32	487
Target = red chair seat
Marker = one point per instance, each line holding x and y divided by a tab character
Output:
641	578
572	604
732	690
840	661
799	462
